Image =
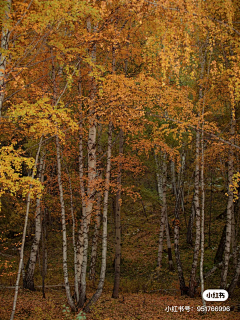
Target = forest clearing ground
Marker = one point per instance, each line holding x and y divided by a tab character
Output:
140	306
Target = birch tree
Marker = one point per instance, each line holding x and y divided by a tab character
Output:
98	293
28	282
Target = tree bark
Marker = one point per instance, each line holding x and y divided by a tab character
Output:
64	231
164	210
92	271
98	293
79	248
73	237
169	245
190	222
229	208
28	282
159	178
192	282
86	217
117	214
93	262
173	176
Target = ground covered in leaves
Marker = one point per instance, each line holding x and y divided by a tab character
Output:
144	306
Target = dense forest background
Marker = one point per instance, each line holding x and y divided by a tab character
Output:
119	158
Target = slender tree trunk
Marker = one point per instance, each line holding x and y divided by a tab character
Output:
79	248
93	262
87	214
64	231
164	210
117	214
161	182
28	282
98	293
229	209
86	217
190	222
159	178
181	182
3	57
73	237
192	282
173	175
24	235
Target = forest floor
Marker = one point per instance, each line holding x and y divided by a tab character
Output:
139	306
146	291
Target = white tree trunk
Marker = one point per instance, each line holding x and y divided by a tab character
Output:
64	231
173	176
169	245
229	210
159	178
73	237
96	296
192	282
29	278
93	262
86	217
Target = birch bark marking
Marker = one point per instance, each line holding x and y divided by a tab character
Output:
159	178
64	231
79	253
3	57
229	207
92	270
117	213
192	282
91	178
24	234
98	293
28	281
191	221
173	176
